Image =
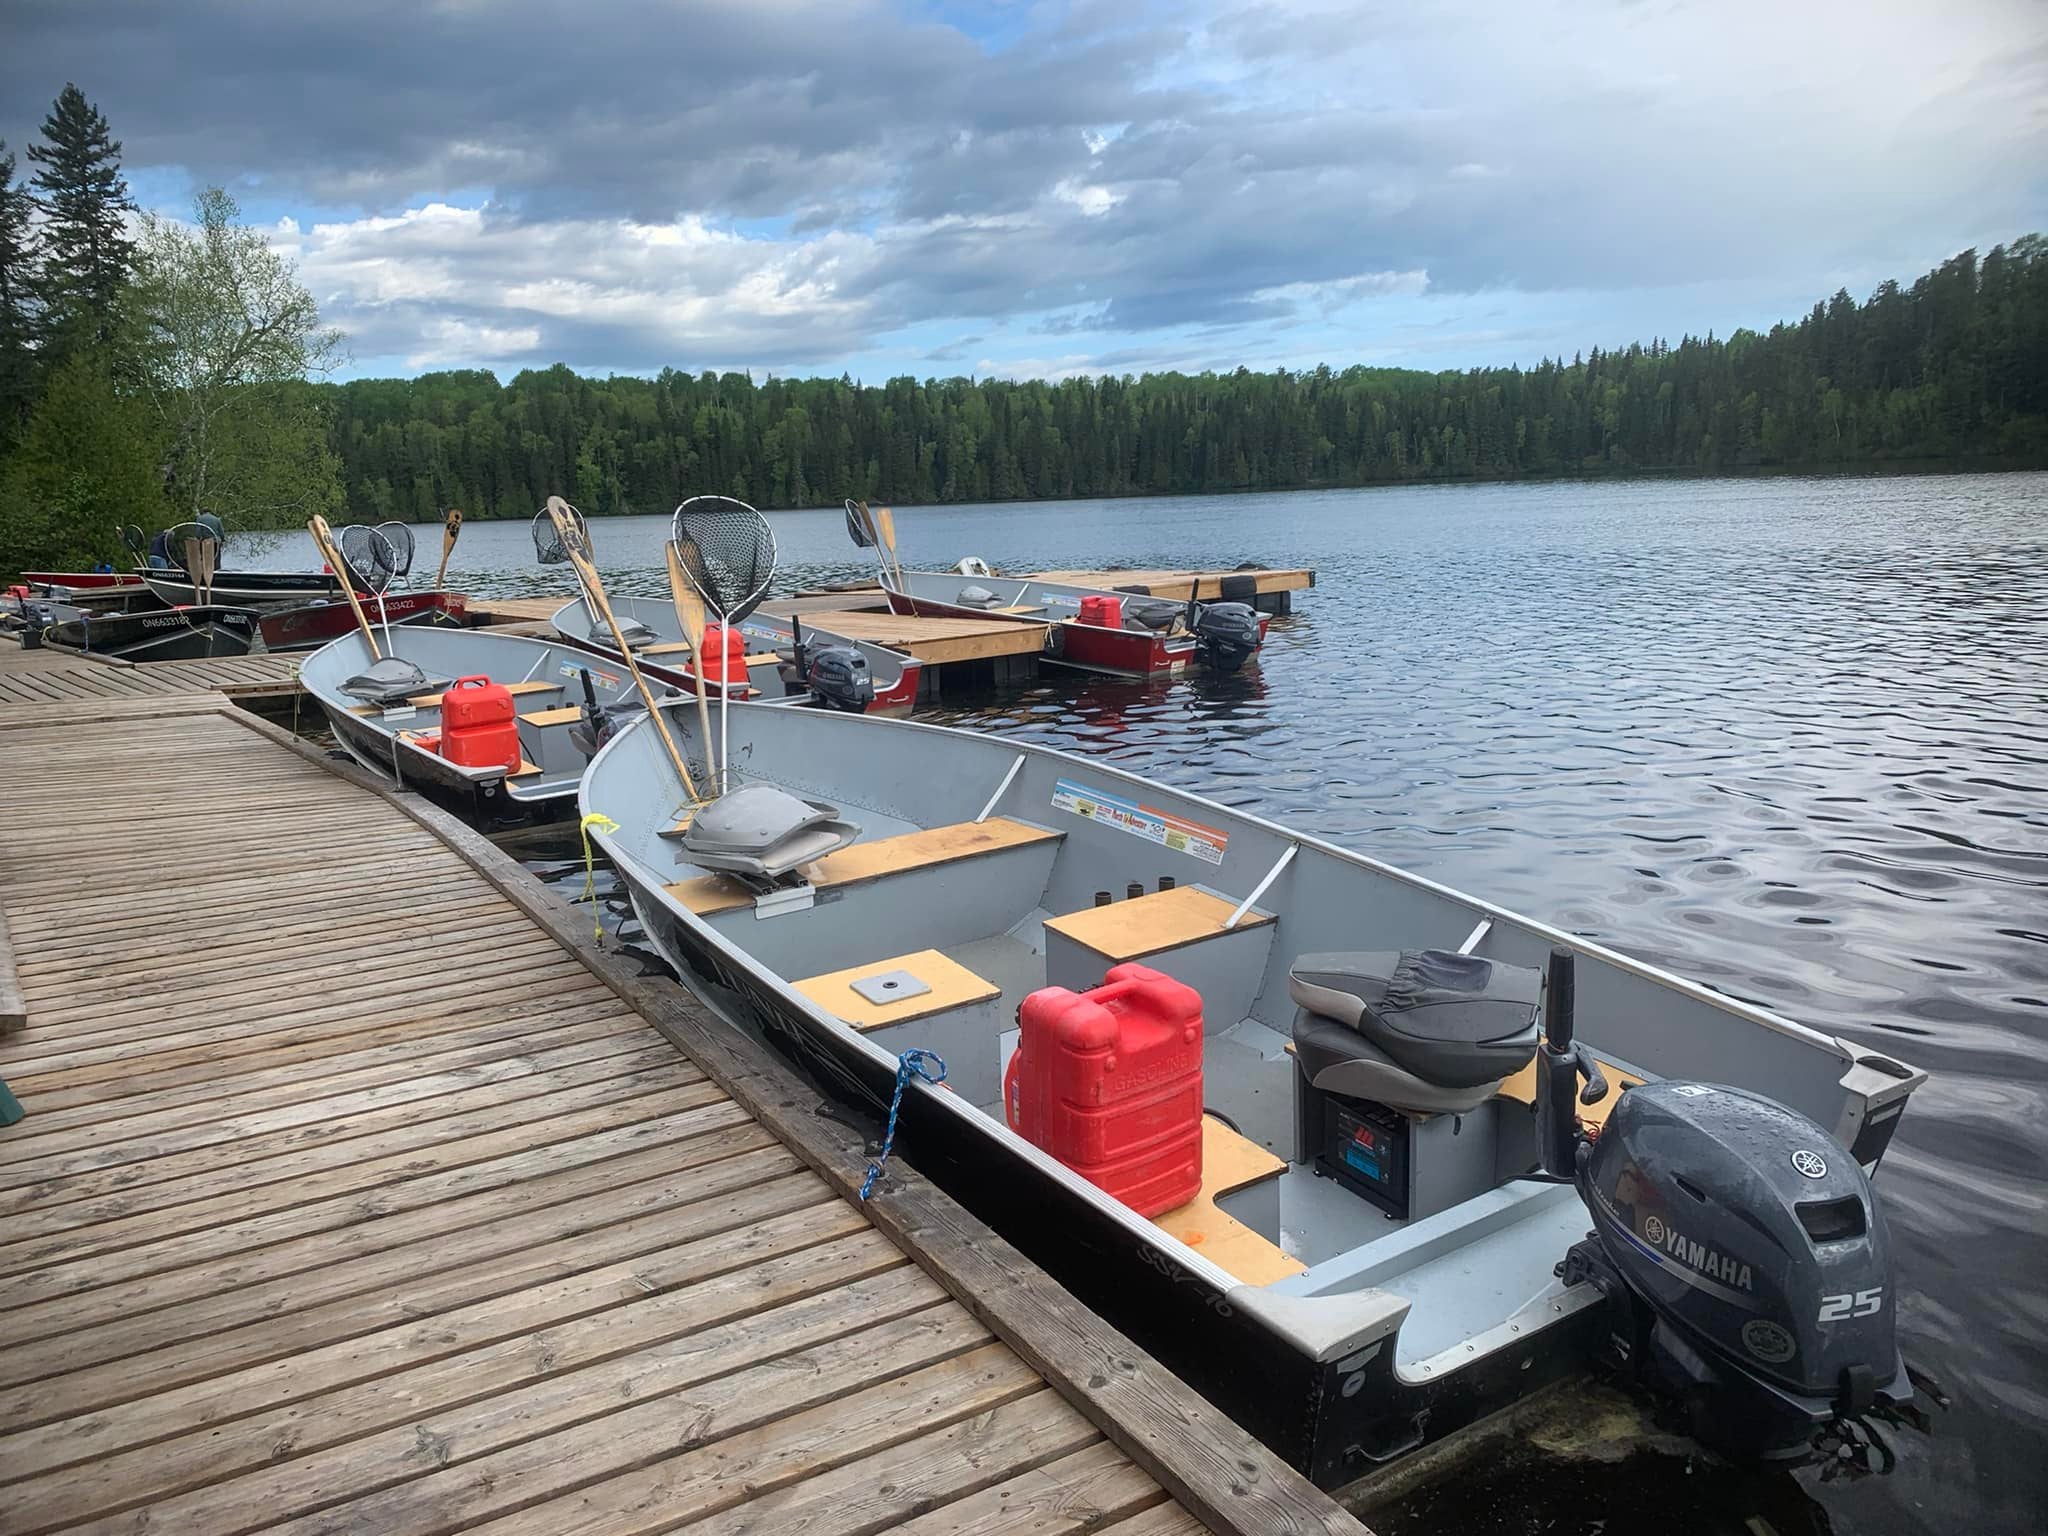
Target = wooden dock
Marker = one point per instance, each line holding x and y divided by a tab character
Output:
494	611
359	1191
49	675
860	615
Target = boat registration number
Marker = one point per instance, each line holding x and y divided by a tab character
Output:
1155	826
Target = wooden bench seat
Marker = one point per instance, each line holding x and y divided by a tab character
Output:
568	714
871	860
952	986
433	700
1146	925
525	770
1230	1162
682	647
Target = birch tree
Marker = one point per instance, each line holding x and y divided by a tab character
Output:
230	339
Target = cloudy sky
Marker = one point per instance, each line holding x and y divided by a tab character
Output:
1042	189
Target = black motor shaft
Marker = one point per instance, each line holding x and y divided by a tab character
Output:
1557	1070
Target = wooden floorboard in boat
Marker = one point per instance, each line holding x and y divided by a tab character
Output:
352	1197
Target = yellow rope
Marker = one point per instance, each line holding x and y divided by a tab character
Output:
603	823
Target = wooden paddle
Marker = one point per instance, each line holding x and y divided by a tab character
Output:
690	614
559	513
199	566
324	537
451	530
885	534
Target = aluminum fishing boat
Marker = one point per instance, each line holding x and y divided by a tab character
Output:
191	633
772	663
307	625
568	702
1124	634
1397	1176
241	589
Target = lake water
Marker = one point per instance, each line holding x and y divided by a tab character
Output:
1785	736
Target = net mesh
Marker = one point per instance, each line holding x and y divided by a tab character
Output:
371	560
727	551
133	541
860	527
399	537
547	541
189	544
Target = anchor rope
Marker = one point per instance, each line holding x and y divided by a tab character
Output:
912	1063
603	823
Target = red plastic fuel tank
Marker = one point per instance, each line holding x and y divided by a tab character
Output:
478	728
1108	612
725	654
1109	1081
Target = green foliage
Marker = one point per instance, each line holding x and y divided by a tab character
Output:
1953	368
228	335
87	462
87	253
20	273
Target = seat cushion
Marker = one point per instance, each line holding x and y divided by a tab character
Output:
1450	1019
1339	1060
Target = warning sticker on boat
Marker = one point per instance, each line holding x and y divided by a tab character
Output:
1155	826
597	679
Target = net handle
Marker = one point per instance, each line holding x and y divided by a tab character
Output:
690	614
323	536
559	512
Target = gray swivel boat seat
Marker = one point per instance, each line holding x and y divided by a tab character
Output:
1430	1031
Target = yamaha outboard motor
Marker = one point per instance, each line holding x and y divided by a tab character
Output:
1741	1254
1226	635
841	679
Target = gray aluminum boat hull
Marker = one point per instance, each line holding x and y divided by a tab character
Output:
378	739
1393	1334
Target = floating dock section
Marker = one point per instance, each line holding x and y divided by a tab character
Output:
48	674
358	1190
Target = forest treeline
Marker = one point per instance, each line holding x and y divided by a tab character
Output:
153	369
1952	368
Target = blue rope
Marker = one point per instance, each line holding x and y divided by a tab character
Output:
918	1063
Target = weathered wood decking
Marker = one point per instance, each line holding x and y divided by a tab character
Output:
48	675
358	1194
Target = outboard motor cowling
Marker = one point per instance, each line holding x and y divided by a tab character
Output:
1745	1262
841	679
1227	635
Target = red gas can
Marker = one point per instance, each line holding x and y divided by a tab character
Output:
478	729
1109	1081
725	654
1108	612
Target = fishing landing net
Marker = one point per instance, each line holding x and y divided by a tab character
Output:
860	526
398	536
547	540
374	558
727	552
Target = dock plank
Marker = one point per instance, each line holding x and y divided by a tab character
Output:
356	1193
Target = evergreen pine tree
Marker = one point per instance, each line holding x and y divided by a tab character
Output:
88	253
18	277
